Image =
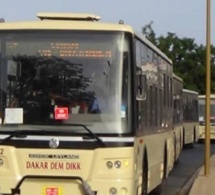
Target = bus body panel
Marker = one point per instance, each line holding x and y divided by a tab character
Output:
202	105
157	138
90	165
191	110
155	158
178	114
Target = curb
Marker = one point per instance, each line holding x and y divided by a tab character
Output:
185	189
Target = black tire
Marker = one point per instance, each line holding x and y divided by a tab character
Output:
191	145
194	136
175	149
145	179
183	140
165	165
181	147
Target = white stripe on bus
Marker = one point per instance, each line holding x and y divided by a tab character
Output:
68	138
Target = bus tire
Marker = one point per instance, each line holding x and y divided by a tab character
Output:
194	136
191	145
165	164
145	177
183	140
176	159
181	148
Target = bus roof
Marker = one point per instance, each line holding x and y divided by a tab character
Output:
65	21
177	77
63	25
76	21
204	96
69	16
190	91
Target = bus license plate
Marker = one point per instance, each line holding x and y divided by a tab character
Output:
52	191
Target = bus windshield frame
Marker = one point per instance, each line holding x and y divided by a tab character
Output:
49	78
202	103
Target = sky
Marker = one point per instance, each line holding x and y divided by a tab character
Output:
186	18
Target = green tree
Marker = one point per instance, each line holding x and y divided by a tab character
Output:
43	79
148	31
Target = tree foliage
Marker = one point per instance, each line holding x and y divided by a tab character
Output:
43	79
189	58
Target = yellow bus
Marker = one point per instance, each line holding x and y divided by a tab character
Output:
190	117
178	115
202	103
86	108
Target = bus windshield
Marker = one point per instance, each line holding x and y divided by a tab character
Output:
202	110
55	79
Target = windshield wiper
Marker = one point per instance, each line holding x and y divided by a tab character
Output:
20	134
8	138
93	135
24	133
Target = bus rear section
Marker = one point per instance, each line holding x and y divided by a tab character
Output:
190	117
202	104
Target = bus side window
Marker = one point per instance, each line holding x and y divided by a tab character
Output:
138	54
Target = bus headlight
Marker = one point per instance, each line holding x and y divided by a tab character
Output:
109	164
113	191
117	164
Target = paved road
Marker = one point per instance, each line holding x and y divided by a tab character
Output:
190	160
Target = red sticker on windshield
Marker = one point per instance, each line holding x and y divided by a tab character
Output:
52	191
61	113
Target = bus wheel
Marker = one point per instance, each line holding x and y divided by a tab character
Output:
145	179
194	136
192	144
175	151
183	140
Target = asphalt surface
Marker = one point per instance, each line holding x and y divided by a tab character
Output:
181	176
